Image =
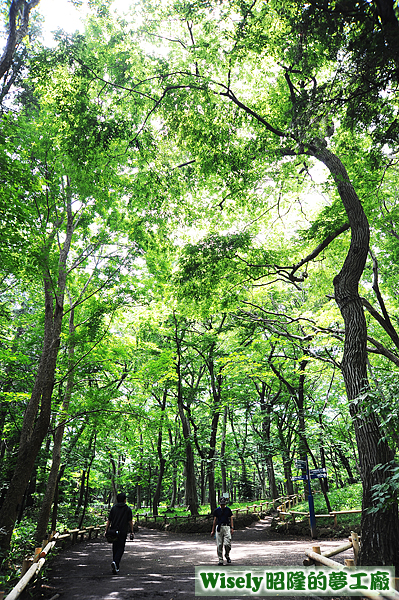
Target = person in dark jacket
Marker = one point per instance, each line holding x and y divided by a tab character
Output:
223	523
121	519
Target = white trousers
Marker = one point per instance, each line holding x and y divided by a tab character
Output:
223	538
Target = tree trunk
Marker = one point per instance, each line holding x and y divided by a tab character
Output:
271	477
34	429
190	482
202	482
288	476
216	385
54	513
28	492
162	460
173	498
114	474
87	487
149	474
38	412
18	21
52	481
158	489
81	492
266	407
211	463
286	455
223	453
380	530
346	464
324	491
211	483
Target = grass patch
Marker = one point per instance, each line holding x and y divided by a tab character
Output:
348	498
182	511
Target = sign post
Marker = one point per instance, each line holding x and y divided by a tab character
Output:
307	475
312	515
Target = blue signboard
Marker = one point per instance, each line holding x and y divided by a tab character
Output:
318	473
300	464
307	475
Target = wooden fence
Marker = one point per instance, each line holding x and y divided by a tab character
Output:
260	507
283	513
32	565
284	510
323	558
354	543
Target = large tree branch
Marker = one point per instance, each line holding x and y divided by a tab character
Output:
318	250
18	21
289	272
384	319
387	326
231	96
380	349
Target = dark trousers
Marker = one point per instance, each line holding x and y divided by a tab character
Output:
118	549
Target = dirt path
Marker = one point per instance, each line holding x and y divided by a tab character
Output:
162	565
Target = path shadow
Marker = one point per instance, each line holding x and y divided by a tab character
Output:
160	565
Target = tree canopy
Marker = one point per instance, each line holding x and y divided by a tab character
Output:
198	261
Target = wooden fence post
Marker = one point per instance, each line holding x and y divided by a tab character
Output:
37	554
356	545
74	535
26	565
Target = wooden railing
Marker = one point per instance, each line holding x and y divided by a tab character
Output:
284	510
315	556
333	514
32	565
287	502
259	507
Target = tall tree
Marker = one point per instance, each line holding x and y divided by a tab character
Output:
285	118
68	221
190	478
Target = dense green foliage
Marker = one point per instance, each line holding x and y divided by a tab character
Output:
169	224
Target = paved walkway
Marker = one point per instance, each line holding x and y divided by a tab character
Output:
160	565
